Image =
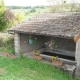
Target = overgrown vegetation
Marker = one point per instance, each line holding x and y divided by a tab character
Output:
29	69
6	43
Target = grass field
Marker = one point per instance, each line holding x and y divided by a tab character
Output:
26	17
29	14
29	69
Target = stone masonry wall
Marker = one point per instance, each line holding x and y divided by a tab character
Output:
17	43
26	47
64	46
62	43
77	57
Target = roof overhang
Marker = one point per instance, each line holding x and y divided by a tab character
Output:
32	33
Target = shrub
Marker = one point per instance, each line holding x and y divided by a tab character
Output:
6	17
7	43
33	10
19	17
1	42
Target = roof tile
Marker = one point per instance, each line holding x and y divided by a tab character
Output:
56	24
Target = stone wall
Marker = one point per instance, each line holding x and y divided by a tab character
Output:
77	57
26	47
64	46
17	43
62	43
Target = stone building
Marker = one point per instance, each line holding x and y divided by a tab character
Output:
64	28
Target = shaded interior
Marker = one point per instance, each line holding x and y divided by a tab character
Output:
59	55
65	46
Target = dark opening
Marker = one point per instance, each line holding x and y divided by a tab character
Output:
59	55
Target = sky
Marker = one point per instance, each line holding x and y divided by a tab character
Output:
25	2
33	2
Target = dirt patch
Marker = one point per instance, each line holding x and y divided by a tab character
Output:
7	55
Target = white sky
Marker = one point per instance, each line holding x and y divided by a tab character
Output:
33	2
25	2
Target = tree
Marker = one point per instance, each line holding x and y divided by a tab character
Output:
63	6
19	17
2	16
2	6
33	10
54	5
7	18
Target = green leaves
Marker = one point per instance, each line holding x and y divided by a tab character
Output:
54	45
31	39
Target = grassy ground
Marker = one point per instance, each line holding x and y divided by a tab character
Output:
29	69
26	17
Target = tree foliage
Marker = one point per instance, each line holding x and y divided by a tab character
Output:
2	6
32	10
64	6
7	18
25	7
19	17
2	15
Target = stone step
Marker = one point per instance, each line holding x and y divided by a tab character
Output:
69	68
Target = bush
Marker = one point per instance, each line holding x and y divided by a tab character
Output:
7	43
10	40
2	42
6	17
19	17
33	10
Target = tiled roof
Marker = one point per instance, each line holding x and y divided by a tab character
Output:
56	24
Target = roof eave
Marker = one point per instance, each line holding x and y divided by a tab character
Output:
60	36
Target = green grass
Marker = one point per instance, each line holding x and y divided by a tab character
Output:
29	15
7	49
29	69
26	17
